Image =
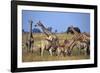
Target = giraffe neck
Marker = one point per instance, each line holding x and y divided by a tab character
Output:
30	33
48	33
72	42
81	37
45	31
72	45
75	32
85	37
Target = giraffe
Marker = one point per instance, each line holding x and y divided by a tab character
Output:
50	35
69	44
51	41
30	41
82	37
44	29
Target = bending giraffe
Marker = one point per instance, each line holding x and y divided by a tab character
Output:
82	37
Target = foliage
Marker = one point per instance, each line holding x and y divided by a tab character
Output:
70	31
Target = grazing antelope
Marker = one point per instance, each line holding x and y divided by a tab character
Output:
66	48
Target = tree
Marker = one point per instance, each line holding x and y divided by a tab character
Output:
56	31
23	30
49	29
36	30
75	28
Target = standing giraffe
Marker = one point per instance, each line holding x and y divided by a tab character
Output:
44	29
49	34
51	40
30	41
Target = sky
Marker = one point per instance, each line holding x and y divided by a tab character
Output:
59	21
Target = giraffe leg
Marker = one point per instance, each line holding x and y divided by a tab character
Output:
42	50
58	51
50	51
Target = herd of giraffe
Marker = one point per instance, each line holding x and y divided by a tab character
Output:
52	45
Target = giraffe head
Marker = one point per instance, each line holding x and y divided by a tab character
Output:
71	27
39	24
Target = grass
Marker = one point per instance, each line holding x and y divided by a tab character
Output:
35	56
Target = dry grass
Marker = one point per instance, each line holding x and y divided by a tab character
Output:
35	56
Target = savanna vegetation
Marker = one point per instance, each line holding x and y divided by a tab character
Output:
35	55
